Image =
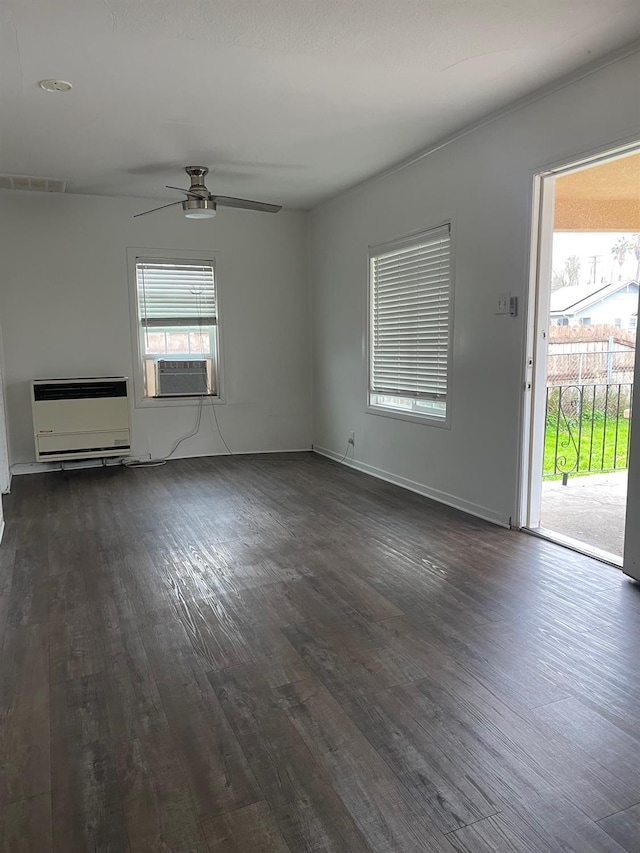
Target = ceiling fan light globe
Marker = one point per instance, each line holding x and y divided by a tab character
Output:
199	208
200	214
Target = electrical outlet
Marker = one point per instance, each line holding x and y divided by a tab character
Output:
352	438
502	303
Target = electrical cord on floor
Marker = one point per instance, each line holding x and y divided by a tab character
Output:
193	432
346	453
156	463
143	463
212	408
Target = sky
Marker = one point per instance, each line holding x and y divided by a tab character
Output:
584	244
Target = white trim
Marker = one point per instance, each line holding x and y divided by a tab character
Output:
605	153
527	356
527	509
389	245
5	472
308	449
20	468
541	225
192	400
141	401
535	374
414	417
426	491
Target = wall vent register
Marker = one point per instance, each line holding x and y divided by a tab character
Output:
32	183
80	418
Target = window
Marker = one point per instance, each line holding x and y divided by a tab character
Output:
618	322
410	327
177	323
633	322
585	321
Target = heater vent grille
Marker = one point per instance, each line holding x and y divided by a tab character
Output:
81	418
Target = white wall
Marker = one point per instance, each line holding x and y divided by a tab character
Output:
64	303
483	182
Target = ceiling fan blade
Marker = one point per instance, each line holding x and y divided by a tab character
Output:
186	192
246	204
153	209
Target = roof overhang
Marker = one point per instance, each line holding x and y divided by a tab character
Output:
600	198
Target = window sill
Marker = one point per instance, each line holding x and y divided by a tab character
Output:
178	400
427	420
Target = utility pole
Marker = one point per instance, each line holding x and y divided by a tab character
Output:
594	261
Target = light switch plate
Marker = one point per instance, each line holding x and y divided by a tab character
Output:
503	303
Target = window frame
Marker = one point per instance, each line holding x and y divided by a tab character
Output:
407	241
134	254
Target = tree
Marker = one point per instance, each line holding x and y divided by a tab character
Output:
620	248
572	270
570	275
635	248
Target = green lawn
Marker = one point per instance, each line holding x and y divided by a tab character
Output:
603	458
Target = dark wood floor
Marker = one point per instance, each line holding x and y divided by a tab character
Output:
279	654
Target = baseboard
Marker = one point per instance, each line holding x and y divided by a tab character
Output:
434	494
426	491
20	468
308	449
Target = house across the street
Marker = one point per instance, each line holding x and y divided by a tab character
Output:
614	304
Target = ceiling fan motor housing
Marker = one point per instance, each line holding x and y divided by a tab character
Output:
199	208
203	207
197	175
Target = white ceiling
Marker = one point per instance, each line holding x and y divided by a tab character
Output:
288	101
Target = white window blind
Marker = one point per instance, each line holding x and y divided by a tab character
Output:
176	293
410	318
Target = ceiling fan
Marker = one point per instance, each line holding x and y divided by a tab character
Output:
201	204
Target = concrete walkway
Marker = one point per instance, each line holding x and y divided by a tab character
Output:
590	509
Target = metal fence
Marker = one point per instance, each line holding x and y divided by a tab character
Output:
587	427
585	364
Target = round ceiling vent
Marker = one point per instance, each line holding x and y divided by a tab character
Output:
54	85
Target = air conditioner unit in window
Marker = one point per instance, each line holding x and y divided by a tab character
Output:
181	377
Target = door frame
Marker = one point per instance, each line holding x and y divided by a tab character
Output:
537	323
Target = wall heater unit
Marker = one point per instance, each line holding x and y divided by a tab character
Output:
175	378
81	418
